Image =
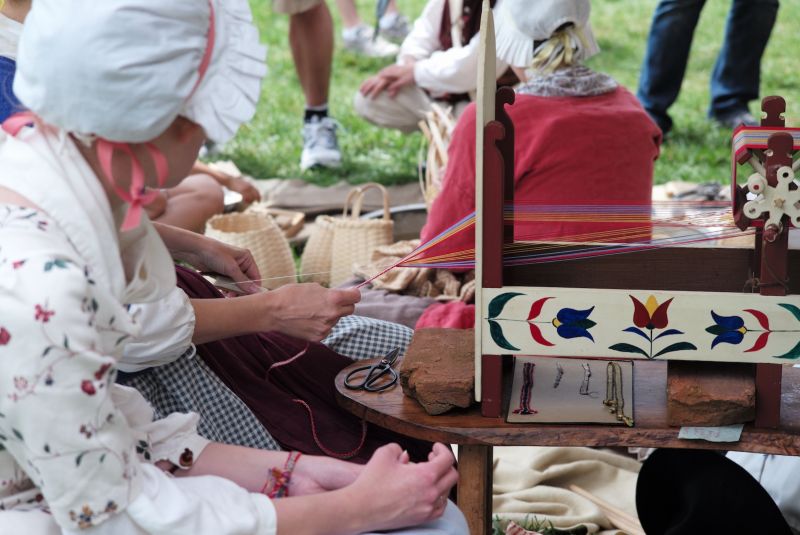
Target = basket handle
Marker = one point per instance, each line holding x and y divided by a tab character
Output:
356	196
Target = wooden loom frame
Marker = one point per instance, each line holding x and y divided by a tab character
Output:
666	270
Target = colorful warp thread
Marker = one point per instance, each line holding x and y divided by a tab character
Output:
639	227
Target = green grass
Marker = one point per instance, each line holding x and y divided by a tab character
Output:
696	151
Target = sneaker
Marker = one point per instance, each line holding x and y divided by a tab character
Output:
394	27
320	146
360	41
732	120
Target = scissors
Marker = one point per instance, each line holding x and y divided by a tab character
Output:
371	382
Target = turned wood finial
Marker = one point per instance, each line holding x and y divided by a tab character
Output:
774	107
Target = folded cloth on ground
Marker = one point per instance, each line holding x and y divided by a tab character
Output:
439	284
534	481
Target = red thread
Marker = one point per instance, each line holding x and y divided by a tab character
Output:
314	434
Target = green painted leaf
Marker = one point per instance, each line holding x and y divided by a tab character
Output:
497	335
79	458
629	348
496	305
17	434
47	448
102	457
791	308
680	346
793	354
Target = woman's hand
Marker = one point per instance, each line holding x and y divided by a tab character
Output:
409	494
308	311
207	254
391	79
250	193
314	474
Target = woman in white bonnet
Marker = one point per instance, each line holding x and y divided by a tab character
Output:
122	95
580	136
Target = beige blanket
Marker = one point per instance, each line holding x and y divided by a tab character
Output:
535	481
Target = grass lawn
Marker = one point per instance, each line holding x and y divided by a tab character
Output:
696	151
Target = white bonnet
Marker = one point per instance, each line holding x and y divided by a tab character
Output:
123	70
521	22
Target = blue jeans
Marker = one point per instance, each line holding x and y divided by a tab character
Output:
736	76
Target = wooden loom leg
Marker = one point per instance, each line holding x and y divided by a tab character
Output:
768	395
491	386
475	487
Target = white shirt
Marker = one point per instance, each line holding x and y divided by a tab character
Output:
442	71
9	37
69	433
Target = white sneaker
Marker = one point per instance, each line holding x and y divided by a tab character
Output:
360	40
320	146
394	27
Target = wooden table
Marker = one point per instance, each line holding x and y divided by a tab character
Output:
476	435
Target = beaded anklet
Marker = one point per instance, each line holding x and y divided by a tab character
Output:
277	485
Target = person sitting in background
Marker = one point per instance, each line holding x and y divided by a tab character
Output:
198	197
580	137
438	62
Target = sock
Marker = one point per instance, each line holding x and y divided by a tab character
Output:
320	112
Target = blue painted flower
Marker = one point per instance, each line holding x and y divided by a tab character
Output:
571	323
727	329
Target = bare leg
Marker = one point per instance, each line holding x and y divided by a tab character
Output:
192	202
311	41
349	13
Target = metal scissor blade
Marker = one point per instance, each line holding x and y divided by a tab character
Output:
391	356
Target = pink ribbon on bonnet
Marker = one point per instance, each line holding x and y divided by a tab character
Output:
137	196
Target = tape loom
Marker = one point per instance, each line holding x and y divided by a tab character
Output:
670	281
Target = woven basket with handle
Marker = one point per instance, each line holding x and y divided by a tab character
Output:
261	235
315	264
354	239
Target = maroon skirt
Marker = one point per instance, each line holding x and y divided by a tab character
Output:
295	402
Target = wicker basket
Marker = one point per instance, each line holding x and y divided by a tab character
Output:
265	240
290	222
354	239
437	129
315	264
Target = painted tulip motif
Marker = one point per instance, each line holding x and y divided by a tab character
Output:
653	316
650	315
571	323
568	323
727	329
732	330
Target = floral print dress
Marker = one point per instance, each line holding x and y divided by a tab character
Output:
72	442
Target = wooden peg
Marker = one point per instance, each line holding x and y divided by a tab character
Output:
774	107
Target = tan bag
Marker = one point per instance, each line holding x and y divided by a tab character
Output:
261	235
354	239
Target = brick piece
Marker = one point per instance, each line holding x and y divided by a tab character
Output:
710	394
439	369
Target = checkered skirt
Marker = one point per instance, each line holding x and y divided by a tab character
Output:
189	385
